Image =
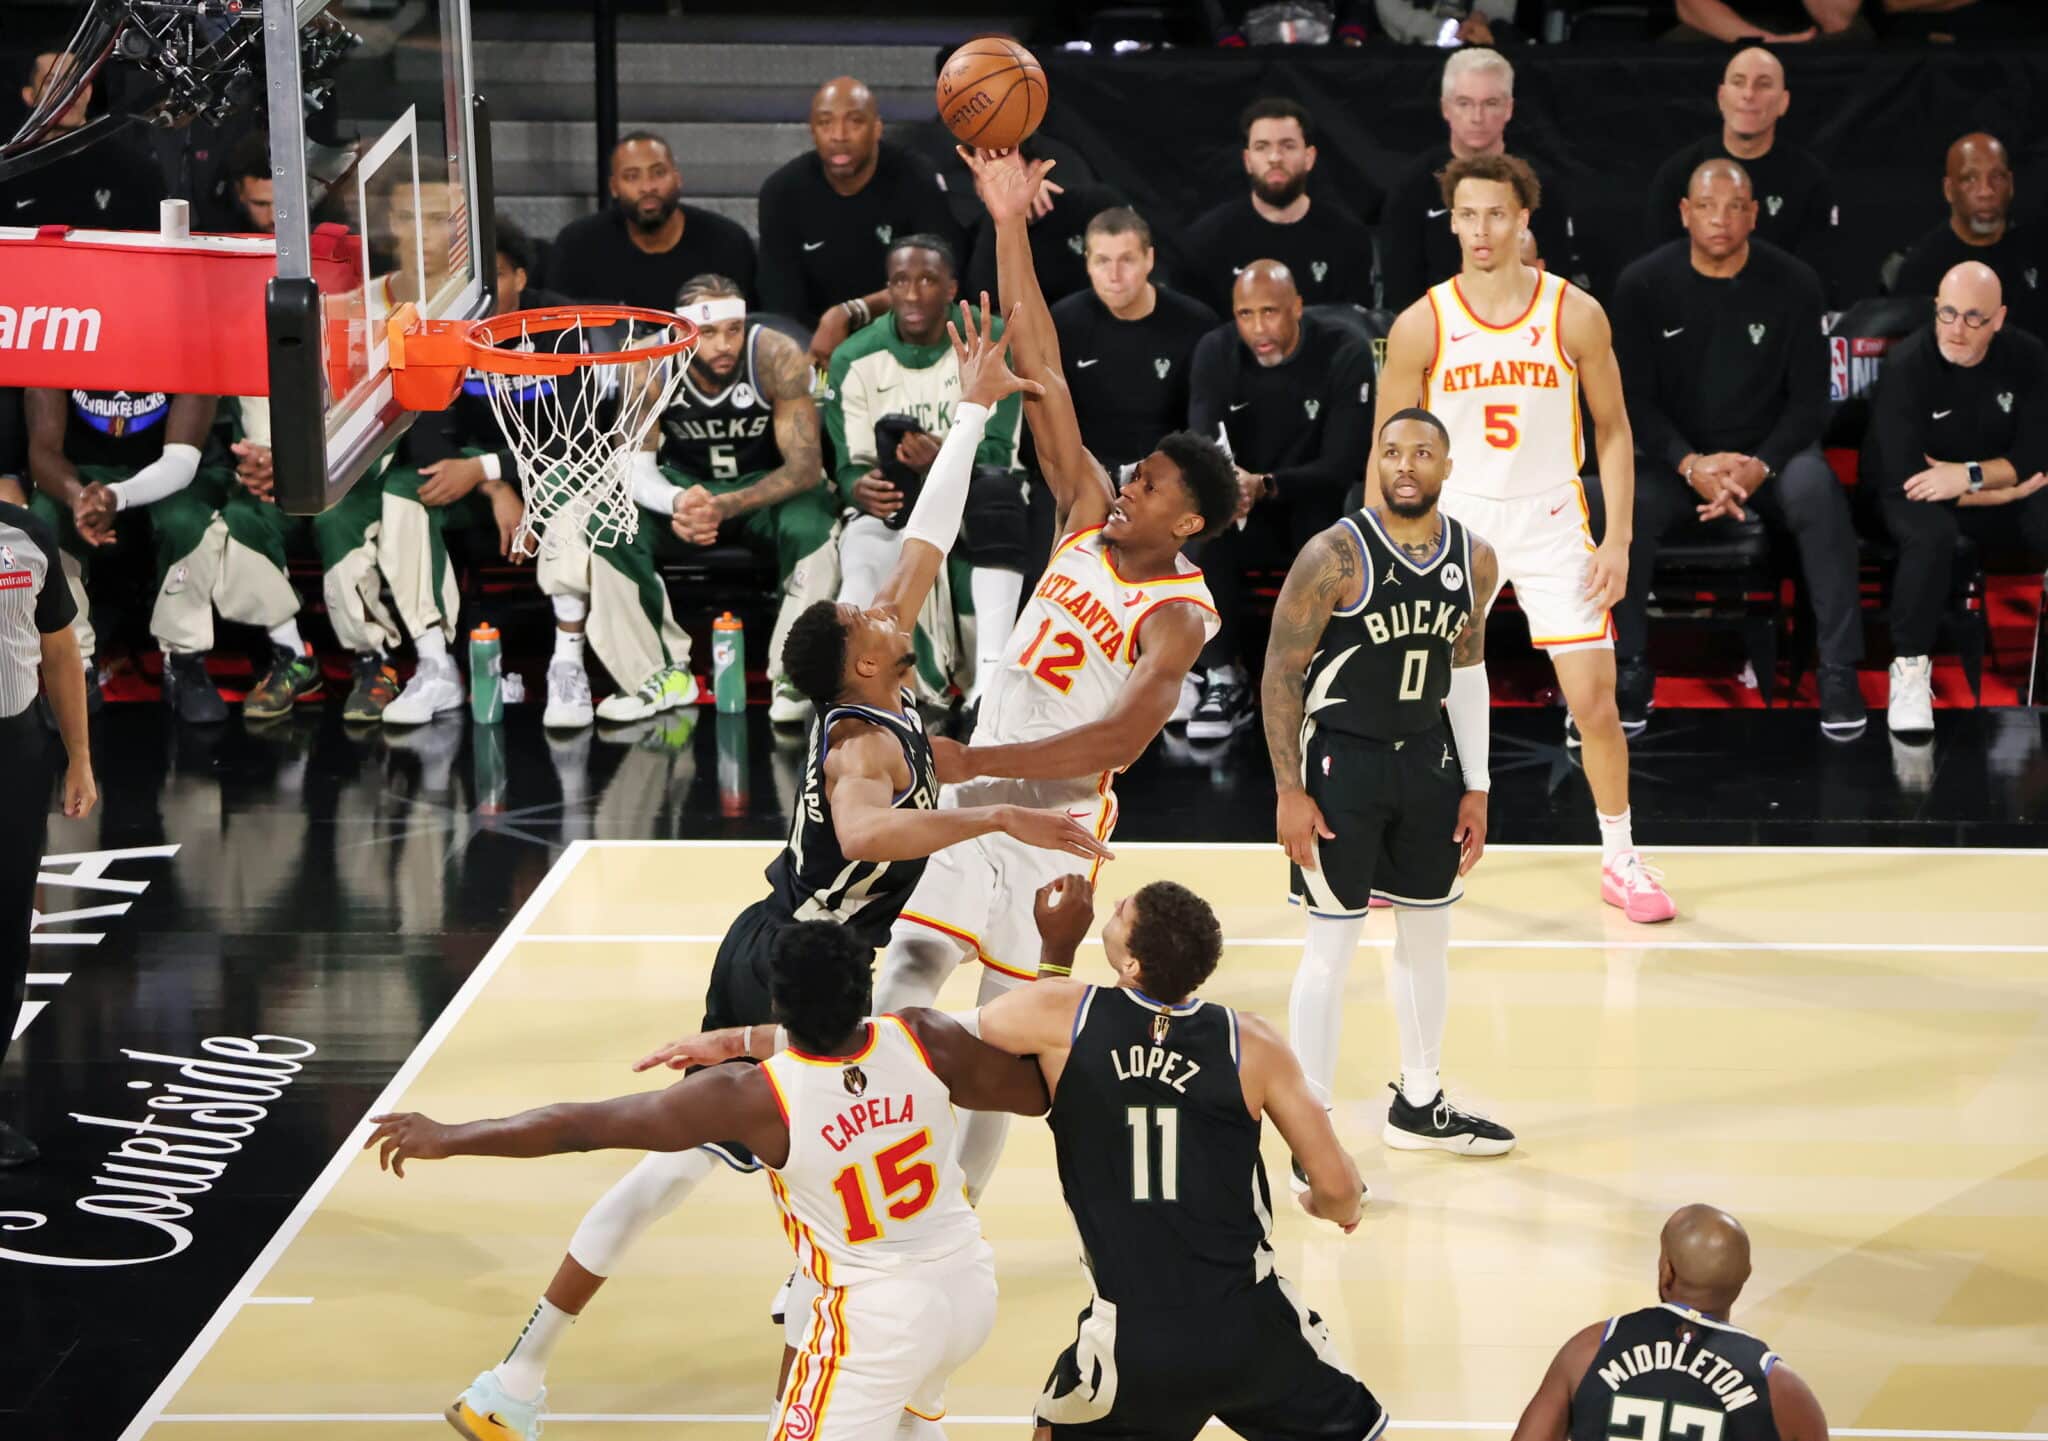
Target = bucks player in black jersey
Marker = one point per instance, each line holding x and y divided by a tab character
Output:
736	456
863	827
1376	719
1677	1371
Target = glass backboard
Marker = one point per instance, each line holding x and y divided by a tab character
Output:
381	164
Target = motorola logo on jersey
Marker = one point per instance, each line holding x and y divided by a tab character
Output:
62	328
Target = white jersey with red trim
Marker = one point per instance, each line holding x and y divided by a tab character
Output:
1509	395
870	1188
1076	641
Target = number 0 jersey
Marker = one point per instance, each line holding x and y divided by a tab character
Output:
1509	395
1669	1372
1076	641
870	1188
1384	665
722	436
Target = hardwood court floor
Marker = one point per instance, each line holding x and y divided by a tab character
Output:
1848	1049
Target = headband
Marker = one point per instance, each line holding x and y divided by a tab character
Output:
714	312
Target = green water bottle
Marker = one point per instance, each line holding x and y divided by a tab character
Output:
729	664
733	793
486	690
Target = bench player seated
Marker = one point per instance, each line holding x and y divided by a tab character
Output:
454	471
1088	676
1677	1368
736	457
911	1287
1377	723
97	455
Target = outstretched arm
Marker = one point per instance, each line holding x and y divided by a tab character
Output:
1173	638
1080	487
1324	576
721	1103
979	1076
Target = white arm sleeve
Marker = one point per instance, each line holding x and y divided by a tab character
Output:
968	1021
651	489
935	519
168	474
1469	706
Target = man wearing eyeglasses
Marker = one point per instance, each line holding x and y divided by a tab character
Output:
1958	438
1417	246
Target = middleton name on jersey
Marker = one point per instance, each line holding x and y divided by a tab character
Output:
1723	1377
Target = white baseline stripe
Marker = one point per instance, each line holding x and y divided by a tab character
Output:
152	1409
48	978
279	1301
1590	943
680	1418
1653	849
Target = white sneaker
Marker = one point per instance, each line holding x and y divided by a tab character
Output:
788	706
665	690
436	687
1911	711
1190	697
568	697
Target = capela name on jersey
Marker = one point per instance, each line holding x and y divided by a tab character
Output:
865	1116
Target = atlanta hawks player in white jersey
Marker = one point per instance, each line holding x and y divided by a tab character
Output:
1090	674
855	1122
1500	353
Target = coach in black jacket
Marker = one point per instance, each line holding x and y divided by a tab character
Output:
1720	337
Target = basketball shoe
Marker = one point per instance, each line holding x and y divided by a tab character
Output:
293	676
666	689
1437	1125
1636	889
568	696
435	689
486	1413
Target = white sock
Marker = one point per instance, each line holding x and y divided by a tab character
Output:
287	635
982	1133
522	1372
1419	993
431	645
1614	836
569	645
997	594
1315	1007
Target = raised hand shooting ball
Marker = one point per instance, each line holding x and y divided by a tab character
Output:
992	93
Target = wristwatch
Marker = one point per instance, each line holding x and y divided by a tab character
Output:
1975	470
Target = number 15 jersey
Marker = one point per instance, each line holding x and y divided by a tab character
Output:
1509	394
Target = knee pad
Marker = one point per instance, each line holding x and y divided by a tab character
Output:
996	530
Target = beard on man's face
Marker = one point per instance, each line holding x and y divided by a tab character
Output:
651	218
1283	195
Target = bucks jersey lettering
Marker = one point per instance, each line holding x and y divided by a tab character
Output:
1667	1373
1385	663
812	878
1158	1156
723	436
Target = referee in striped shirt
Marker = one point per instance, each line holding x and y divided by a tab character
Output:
36	611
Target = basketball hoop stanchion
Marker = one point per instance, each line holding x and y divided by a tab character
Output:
572	413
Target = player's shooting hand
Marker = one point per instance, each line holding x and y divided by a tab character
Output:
952	762
873	494
1607	574
833	328
1299	822
707	1048
1064	910
1470	831
918	449
985	376
1053	831
1009	186
447	481
695	517
403	1136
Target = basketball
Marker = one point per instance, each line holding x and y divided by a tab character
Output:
991	93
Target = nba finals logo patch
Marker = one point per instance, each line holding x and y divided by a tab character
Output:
1160	1026
1160	365
855	1080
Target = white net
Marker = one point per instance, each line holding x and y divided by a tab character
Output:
574	435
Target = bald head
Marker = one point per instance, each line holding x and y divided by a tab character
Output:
1753	98
1719	213
846	131
1703	1259
1977	183
1710	174
1267	308
1755	60
1969	310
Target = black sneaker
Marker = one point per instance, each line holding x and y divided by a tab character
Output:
189	692
1843	716
1635	695
1441	1126
1225	709
15	1148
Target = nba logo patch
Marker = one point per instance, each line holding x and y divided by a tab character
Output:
176	581
6	557
1326	765
1838	367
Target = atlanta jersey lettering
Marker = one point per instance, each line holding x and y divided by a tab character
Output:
870	1188
1508	394
1077	640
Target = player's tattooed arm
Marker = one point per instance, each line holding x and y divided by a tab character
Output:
1470	646
1322	577
785	373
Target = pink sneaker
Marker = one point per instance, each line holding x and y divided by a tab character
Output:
1636	889
1379	903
